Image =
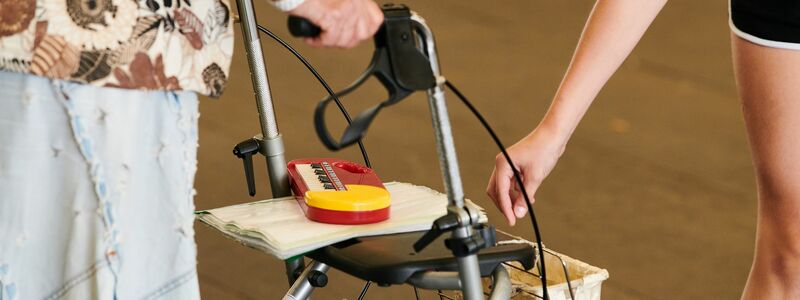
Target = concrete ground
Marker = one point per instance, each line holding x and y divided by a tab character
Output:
656	185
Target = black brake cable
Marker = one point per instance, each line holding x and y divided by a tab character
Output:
516	176
364	290
324	84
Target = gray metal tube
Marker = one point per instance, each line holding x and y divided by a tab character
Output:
435	280
448	162
276	165
301	289
501	284
271	142
469	271
258	70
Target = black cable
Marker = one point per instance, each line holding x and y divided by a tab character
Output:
516	176
321	81
364	290
352	87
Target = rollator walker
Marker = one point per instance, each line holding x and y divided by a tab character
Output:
404	61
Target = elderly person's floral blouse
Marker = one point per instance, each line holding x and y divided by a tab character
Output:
134	44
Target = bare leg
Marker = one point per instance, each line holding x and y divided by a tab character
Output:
769	85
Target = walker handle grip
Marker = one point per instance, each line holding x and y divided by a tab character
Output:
302	27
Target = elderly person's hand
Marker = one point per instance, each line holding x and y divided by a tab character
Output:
344	23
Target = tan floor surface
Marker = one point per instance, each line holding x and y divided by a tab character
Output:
656	185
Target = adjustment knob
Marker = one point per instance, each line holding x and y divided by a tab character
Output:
317	279
245	151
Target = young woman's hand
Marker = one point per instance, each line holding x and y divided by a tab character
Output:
613	29
344	23
534	157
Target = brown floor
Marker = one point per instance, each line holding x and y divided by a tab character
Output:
656	185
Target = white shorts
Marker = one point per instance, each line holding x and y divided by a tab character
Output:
96	191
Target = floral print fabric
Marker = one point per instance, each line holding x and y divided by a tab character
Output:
132	44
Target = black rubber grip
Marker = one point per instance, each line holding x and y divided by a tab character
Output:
302	27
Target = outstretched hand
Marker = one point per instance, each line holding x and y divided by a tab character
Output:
534	157
344	23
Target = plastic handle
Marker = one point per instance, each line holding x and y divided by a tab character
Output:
248	174
441	225
427	239
302	27
245	151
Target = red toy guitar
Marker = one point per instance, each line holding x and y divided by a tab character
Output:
338	191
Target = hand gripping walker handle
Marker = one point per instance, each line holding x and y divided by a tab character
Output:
302	27
397	63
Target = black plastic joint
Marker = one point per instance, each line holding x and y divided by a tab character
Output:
489	235
441	225
446	222
317	279
465	246
247	147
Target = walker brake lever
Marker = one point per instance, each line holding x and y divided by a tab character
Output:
397	62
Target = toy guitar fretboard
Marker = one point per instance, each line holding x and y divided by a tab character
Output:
338	191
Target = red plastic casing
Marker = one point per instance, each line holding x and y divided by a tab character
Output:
348	173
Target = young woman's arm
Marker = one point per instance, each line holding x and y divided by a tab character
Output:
613	29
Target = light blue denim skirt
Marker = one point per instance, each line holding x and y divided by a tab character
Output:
96	191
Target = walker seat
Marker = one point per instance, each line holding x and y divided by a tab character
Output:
389	259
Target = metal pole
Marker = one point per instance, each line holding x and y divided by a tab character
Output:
302	288
501	284
258	71
469	270
270	140
444	280
272	143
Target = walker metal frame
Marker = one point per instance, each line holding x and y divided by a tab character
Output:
467	279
